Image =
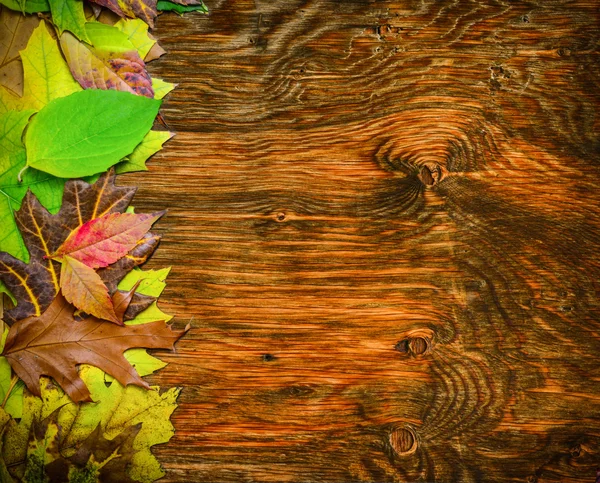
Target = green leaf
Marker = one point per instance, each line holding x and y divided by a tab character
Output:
167	6
87	132
29	6
151	144
68	15
46	74
47	188
161	88
136	31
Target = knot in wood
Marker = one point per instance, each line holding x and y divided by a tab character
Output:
416	344
403	441
431	174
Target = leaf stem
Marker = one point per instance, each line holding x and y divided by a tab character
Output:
21	172
13	382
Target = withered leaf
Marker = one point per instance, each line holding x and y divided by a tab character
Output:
142	9
54	344
35	285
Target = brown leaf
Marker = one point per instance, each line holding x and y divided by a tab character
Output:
55	344
35	285
15	30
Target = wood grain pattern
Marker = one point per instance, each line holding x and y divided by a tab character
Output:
385	224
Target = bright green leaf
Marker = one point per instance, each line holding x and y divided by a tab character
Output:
87	132
47	188
151	144
161	88
68	15
166	6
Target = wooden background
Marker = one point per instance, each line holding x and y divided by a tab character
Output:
385	223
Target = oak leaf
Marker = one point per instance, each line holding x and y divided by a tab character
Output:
54	344
35	285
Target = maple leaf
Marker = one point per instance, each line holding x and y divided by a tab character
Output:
35	285
54	344
144	42
104	240
110	62
143	9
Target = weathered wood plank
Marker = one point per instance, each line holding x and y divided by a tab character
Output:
385	222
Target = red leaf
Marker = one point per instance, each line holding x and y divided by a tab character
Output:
102	241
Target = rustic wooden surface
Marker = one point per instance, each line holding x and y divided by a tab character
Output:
385	223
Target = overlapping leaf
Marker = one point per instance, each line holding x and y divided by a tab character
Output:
36	284
46	74
15	30
119	412
143	9
68	15
181	6
110	62
97	128
55	344
98	243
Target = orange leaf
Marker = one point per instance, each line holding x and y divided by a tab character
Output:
84	288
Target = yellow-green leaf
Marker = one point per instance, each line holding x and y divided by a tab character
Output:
161	88
150	145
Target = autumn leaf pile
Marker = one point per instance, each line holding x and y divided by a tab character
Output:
77	108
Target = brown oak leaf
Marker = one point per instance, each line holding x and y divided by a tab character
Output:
35	285
55	343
